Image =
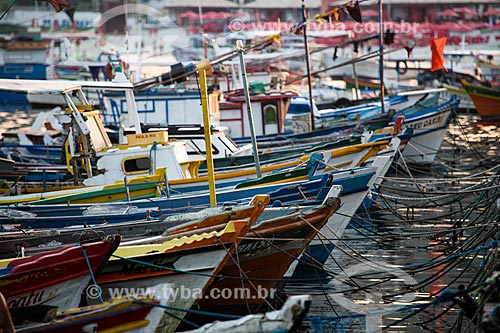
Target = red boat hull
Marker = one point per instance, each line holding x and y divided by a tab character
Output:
55	278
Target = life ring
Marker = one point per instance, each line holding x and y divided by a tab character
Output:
401	70
108	69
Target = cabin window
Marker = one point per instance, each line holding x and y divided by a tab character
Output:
228	143
199	145
271	114
134	165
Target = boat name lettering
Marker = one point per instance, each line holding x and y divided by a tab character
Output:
158	265
145	135
427	122
33	298
254	246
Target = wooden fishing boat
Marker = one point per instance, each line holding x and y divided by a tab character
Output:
341	158
53	232
429	120
485	99
368	113
89	150
137	188
189	261
320	248
171	204
295	170
271	243
301	172
93	216
277	238
54	278
128	314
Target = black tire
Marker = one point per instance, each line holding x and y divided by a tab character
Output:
343	103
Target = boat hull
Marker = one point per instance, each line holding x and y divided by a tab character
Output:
486	100
272	243
190	274
124	315
188	262
429	128
54	278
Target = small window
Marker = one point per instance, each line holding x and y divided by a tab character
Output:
271	114
136	164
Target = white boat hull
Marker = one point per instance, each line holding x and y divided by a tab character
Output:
184	288
427	137
64	295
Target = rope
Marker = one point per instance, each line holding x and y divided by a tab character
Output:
91	272
206	313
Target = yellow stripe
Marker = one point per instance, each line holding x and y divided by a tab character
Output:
157	177
484	96
145	249
355	148
472	86
235	174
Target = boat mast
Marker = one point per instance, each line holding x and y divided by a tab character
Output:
308	64
239	46
381	52
208	137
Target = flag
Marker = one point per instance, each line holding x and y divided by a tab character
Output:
71	13
437	49
355	12
58	4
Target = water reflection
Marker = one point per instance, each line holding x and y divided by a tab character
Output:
433	237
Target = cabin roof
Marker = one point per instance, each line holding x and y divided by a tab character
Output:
58	86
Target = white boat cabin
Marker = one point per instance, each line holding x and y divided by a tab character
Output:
89	150
194	136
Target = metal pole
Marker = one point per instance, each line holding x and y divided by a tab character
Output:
127	190
8	8
354	72
381	51
239	46
208	137
308	64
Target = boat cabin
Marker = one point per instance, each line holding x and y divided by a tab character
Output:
89	151
269	112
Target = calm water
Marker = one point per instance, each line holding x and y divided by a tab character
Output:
388	259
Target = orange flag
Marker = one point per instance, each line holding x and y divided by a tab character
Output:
437	49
